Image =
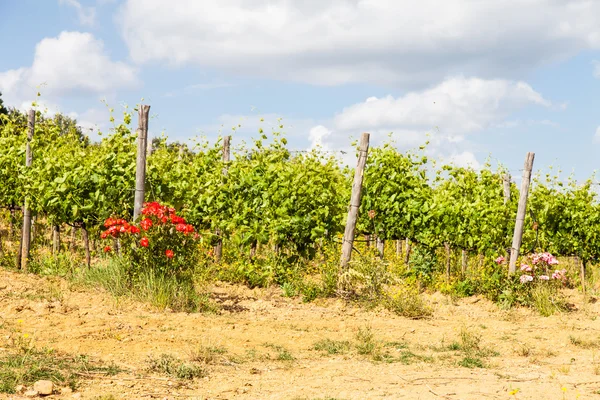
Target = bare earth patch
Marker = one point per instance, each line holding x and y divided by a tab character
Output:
264	346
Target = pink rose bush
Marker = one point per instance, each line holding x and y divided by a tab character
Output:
540	268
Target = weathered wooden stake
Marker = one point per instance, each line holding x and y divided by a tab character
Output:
55	239
140	166
518	234
448	263
86	245
226	157
407	255
465	262
26	236
506	186
380	246
368	241
354	201
399	249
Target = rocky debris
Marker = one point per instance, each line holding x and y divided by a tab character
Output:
30	393
44	388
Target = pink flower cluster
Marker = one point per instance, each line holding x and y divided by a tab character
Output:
546	258
560	275
499	260
539	268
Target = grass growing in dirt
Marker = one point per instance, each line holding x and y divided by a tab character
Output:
332	347
209	355
408	302
169	365
161	292
282	353
26	365
365	344
473	352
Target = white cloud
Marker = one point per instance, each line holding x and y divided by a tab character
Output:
398	42
70	64
445	114
456	106
86	15
316	136
465	159
597	135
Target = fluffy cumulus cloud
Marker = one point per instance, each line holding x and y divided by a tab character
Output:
86	15
398	42
445	114
73	63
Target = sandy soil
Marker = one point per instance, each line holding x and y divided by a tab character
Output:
544	358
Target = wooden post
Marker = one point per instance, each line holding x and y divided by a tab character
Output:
11	228
354	201
464	263
55	239
226	157
407	255
399	249
380	246
518	234
140	166
86	245
26	241
506	186
448	263
368	241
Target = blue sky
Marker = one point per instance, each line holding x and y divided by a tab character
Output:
477	78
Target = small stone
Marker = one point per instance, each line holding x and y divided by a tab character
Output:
76	396
44	388
66	390
19	388
30	393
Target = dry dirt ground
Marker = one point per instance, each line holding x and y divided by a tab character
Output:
267	346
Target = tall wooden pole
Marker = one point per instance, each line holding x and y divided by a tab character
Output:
354	201
506	187
26	238
226	157
140	170
518	234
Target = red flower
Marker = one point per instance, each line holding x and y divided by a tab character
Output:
134	229
144	242
146	224
104	235
169	253
107	249
180	227
189	228
177	219
109	222
164	220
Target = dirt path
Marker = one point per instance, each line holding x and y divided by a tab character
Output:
266	346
